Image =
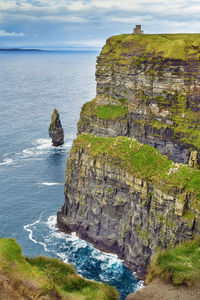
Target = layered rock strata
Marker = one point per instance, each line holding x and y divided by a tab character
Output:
150	85
121	193
128	199
56	131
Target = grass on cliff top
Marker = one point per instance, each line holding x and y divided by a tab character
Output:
141	160
180	265
44	275
175	46
106	112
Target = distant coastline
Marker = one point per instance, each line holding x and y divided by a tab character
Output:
19	49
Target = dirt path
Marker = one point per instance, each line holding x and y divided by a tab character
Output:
160	290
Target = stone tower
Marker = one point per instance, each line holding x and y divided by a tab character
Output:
137	30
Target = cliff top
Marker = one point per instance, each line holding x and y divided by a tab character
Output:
174	46
141	160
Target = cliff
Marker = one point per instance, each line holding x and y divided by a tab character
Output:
132	179
127	198
148	87
44	278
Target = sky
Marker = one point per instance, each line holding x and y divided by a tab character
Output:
52	24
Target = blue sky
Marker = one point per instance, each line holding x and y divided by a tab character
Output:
88	23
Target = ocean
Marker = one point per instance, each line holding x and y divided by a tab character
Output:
32	171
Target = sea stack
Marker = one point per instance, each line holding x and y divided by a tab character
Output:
56	131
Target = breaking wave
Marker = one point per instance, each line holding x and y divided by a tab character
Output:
88	261
39	150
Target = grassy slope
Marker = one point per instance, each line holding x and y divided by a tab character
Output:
47	275
106	112
181	265
176	46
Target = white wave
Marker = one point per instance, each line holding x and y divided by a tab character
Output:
27	228
27	152
7	161
50	183
40	147
51	222
43	144
139	285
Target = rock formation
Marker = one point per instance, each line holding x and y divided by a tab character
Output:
121	194
55	129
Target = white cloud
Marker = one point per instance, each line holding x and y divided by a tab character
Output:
56	20
3	33
85	43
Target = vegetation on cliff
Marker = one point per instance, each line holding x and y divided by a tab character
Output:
180	265
175	46
34	277
106	112
141	160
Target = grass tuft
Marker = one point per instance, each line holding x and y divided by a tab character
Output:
180	265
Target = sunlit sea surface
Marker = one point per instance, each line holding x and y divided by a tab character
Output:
32	171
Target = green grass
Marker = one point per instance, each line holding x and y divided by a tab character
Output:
141	160
110	112
180	265
176	46
47	275
106	112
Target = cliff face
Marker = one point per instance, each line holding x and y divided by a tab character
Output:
122	194
151	86
127	198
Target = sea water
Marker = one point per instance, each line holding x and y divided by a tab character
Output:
32	171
